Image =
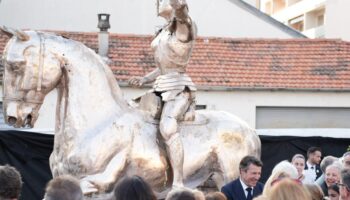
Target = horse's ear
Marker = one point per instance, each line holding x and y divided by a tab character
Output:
22	35
6	31
14	32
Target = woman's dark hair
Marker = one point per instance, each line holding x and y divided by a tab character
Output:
181	194
10	182
247	160
334	187
133	188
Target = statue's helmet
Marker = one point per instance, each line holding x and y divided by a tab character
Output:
164	8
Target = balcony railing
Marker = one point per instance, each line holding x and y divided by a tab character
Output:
317	32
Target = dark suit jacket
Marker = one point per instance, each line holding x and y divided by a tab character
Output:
318	171
324	189
234	190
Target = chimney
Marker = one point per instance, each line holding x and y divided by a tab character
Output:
103	35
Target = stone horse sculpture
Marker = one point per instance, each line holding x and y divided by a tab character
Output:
98	137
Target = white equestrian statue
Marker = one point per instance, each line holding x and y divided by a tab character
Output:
98	137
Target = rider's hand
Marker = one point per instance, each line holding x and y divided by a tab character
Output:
136	81
176	4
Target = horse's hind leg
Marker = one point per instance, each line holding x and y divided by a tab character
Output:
230	152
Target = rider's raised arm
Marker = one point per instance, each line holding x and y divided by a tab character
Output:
183	28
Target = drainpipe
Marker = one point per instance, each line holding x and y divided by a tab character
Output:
103	35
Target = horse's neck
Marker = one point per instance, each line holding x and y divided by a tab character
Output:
91	97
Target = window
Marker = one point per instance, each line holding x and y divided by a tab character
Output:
268	8
201	107
320	20
297	23
278	5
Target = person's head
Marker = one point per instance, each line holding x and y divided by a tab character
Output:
133	188
184	194
63	188
346	159
344	185
333	192
215	196
315	191
283	169
314	155
288	189
10	182
298	161
332	174
250	170
164	8
261	197
326	161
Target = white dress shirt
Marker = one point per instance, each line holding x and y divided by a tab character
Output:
309	173
245	187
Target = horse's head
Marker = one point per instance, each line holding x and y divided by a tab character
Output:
31	71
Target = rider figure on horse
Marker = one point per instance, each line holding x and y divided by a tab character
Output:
172	48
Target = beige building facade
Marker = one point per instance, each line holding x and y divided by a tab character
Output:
314	18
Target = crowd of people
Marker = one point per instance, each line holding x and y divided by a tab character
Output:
299	179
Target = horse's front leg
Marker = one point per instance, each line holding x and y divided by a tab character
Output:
105	180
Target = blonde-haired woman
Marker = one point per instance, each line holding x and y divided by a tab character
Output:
288	189
315	191
283	169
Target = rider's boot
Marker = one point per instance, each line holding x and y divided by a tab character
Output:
176	157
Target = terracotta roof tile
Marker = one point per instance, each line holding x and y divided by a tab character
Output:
237	63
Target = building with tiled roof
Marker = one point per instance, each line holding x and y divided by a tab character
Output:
270	83
229	64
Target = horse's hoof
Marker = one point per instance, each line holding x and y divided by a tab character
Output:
87	187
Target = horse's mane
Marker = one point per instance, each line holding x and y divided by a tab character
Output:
65	41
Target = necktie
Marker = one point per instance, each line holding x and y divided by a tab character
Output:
312	167
250	195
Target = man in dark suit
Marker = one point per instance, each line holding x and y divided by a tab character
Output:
246	187
312	170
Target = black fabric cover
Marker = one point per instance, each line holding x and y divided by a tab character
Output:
29	153
276	149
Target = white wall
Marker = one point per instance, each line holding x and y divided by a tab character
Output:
244	103
337	19
220	18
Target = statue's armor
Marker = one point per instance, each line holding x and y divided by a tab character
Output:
172	57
